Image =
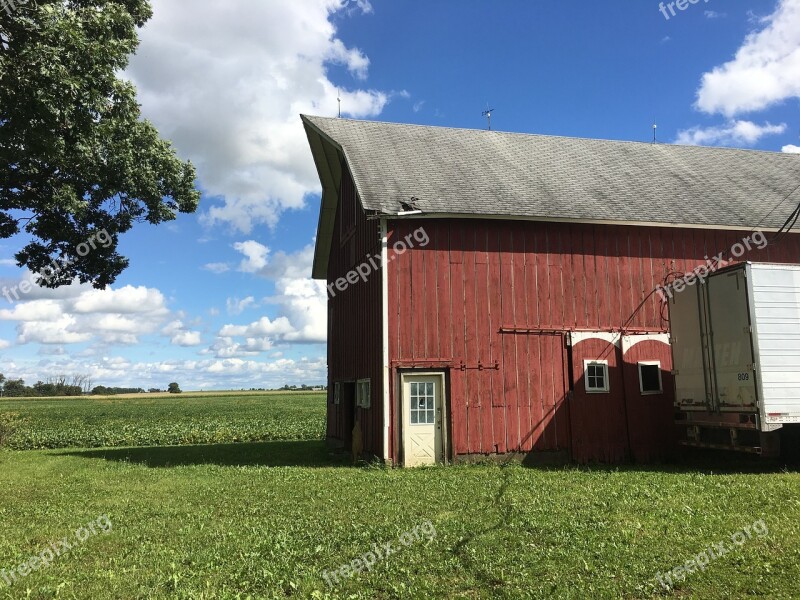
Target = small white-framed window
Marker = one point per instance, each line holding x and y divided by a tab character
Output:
337	393
596	376
363	393
650	378
422	403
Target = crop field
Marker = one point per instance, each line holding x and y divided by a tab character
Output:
167	419
289	518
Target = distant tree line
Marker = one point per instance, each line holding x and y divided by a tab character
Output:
303	387
62	385
102	390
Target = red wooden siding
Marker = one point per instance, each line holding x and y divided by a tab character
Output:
599	424
650	431
509	391
355	323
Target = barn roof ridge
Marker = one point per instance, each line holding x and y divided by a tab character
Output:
472	173
315	118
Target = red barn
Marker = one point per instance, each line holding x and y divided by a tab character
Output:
492	293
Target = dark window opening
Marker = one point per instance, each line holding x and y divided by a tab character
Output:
650	378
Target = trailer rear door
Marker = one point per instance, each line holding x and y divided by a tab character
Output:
730	329
692	388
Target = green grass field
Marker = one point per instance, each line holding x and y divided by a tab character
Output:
269	519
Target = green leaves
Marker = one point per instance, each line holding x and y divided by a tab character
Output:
76	155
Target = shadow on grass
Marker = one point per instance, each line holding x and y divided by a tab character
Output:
256	454
685	460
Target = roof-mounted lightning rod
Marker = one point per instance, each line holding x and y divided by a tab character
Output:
339	100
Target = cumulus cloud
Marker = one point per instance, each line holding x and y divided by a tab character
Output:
302	299
735	133
125	300
180	335
764	71
255	256
187	338
263	327
791	149
226	83
77	313
300	302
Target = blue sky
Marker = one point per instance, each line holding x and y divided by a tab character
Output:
223	298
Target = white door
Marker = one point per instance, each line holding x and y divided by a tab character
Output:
423	419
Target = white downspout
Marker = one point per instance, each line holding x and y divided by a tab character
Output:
385	336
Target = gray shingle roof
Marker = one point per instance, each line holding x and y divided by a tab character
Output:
473	172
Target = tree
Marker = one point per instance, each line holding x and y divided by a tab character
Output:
16	388
79	166
173	388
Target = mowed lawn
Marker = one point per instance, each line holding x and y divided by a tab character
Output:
268	519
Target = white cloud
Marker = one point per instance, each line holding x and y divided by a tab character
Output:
4	344
263	327
76	313
8	262
226	83
305	302
712	14
65	330
735	133
180	335
187	338
217	268
36	310
791	149
255	256
125	300
764	71
301	304
235	306
302	299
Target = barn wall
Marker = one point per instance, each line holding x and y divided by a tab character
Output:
510	391
354	322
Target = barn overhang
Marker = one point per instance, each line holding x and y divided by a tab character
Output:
329	159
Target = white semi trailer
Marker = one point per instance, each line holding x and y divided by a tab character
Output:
736	358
